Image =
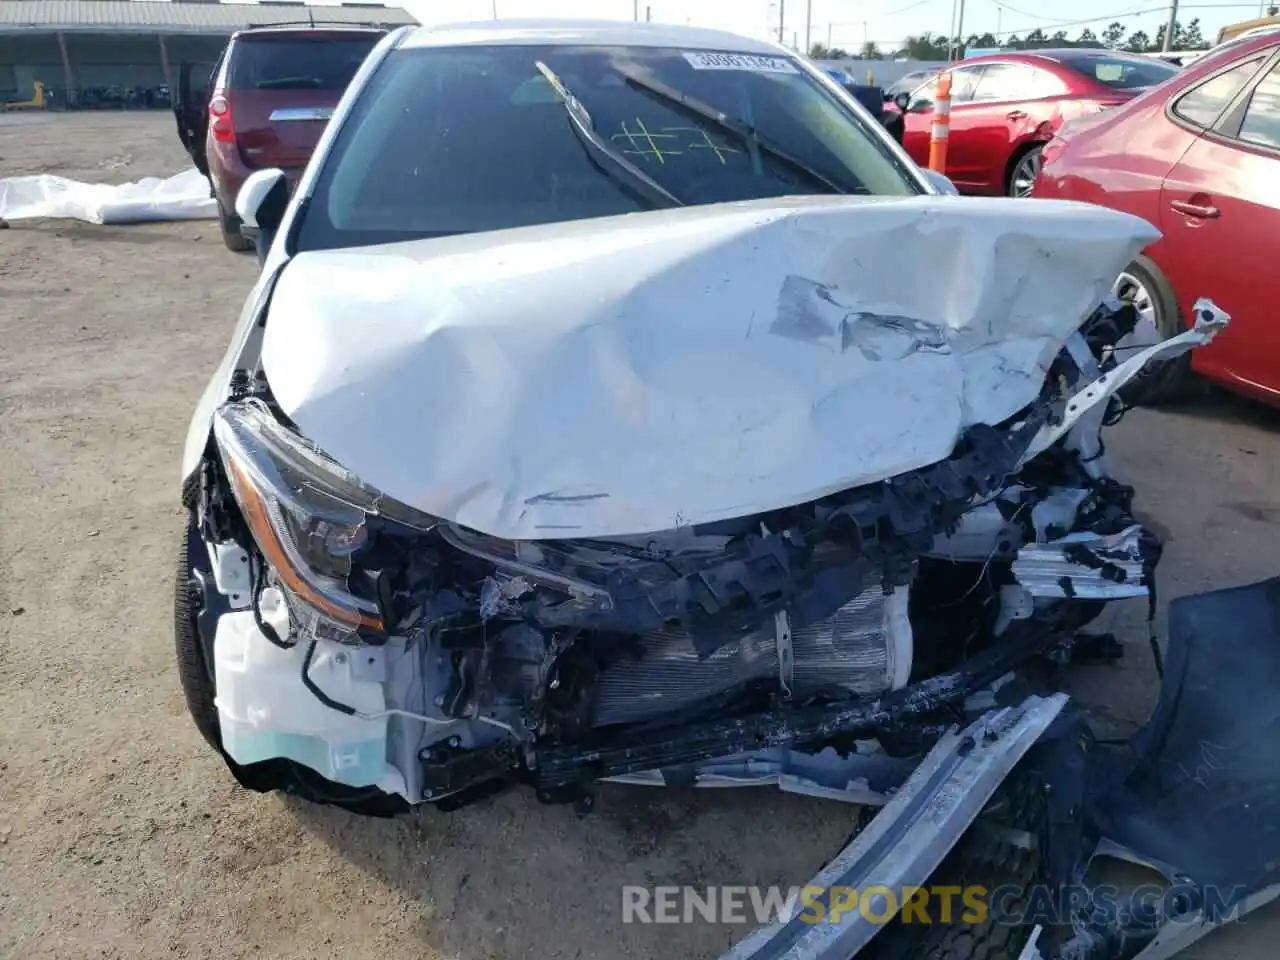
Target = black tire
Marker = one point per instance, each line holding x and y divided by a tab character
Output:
198	687
1164	381
229	223
992	854
1027	156
193	671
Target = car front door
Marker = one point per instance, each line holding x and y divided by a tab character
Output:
1013	107
1220	215
191	110
919	120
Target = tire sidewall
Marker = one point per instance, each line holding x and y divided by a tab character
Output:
1162	380
1018	161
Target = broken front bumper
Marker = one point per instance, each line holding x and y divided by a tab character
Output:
907	840
1195	796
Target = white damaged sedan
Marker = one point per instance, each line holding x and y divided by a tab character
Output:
618	402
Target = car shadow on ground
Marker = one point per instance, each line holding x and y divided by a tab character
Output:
130	234
1219	404
500	877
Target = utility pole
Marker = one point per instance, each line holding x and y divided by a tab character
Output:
808	27
782	20
960	29
635	10
828	36
951	36
494	5
1168	30
999	34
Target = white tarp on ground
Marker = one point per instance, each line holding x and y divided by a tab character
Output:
184	196
638	373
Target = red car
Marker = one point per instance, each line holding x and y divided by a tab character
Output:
1198	158
265	104
1005	107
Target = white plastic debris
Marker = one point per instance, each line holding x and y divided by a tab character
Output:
184	196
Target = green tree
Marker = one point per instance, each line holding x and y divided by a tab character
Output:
1113	36
1191	37
1158	43
925	46
1138	42
1087	36
870	51
1059	37
820	51
1036	36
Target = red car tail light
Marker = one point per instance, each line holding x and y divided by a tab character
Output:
220	123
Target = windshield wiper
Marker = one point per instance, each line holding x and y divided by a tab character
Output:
606	156
743	131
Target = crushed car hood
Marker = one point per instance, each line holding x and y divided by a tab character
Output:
638	373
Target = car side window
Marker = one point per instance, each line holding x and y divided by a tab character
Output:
963	82
1202	104
1261	124
1015	81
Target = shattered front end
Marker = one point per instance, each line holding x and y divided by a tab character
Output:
812	514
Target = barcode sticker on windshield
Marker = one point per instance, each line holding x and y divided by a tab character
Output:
740	61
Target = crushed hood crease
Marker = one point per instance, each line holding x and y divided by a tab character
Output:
634	374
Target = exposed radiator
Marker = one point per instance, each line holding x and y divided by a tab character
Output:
865	647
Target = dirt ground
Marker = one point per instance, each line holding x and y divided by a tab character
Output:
121	834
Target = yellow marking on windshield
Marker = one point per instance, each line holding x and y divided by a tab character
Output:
709	144
652	143
676	141
637	142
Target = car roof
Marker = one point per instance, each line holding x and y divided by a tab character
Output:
602	33
1228	51
1061	55
305	26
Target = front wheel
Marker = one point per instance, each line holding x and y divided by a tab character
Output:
1022	178
1159	317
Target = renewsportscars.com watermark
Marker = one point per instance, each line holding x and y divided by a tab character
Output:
974	905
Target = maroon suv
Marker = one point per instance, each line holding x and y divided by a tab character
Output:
265	104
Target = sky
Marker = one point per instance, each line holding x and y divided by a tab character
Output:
852	22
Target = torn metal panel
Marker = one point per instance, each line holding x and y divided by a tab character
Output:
1210	319
907	840
1089	566
864	777
1030	951
1206	799
638	373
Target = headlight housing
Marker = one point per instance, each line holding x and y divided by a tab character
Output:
309	515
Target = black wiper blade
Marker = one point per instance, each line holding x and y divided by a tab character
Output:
613	162
743	131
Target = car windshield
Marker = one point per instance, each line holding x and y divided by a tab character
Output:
463	139
1123	73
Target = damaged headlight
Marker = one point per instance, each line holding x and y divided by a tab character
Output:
308	514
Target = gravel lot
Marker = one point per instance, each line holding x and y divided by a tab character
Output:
121	835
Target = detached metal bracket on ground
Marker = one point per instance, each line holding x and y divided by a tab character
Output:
909	838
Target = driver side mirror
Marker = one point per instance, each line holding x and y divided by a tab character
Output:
902	101
261	204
